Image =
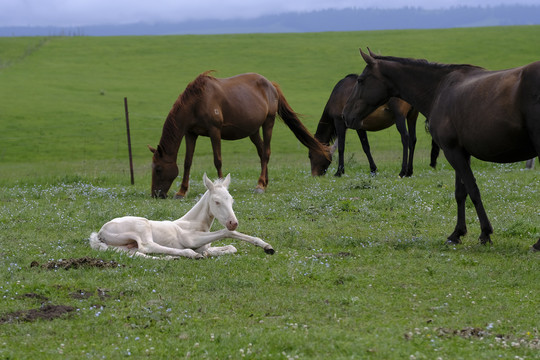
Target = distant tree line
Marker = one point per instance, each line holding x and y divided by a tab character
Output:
351	19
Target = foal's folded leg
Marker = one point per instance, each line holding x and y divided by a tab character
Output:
220	250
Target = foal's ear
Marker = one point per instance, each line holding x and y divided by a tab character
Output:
367	58
208	183
153	150
227	181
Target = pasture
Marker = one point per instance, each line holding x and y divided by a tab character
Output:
361	269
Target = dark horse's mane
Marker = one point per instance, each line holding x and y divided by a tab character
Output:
409	61
193	92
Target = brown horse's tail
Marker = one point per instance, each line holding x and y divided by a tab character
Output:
291	119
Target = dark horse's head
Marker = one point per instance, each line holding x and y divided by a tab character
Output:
164	171
369	92
320	162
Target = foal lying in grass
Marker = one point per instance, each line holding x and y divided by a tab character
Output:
188	236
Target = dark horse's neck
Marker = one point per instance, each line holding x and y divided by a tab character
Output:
417	81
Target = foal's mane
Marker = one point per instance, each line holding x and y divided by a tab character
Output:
192	93
409	61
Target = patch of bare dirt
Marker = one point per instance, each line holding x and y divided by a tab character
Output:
75	263
33	296
46	312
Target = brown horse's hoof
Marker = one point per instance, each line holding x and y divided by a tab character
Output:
269	250
178	197
259	190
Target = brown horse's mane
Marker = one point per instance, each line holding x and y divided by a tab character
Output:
193	92
409	61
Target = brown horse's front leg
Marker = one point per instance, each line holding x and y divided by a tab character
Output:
262	182
191	139
215	138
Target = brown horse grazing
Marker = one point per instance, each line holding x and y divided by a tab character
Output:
332	126
229	109
491	115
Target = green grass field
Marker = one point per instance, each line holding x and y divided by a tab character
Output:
361	269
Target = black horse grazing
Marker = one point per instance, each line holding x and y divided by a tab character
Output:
491	115
332	126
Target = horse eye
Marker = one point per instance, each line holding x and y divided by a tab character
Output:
218	203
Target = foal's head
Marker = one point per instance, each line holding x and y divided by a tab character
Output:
164	171
220	201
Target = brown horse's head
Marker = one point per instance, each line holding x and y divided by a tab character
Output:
164	171
369	92
320	161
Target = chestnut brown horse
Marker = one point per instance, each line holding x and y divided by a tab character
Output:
332	126
491	115
229	109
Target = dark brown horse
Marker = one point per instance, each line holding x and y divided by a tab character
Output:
229	109
491	115
332	126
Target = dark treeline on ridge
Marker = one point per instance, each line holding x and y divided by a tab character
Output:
351	19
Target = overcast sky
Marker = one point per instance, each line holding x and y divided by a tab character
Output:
98	12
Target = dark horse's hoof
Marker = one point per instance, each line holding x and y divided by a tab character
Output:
536	247
453	241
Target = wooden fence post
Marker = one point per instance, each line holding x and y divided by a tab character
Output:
129	142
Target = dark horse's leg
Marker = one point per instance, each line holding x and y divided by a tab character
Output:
412	116
466	184
400	125
435	149
340	130
362	135
191	139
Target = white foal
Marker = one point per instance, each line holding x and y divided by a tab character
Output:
188	236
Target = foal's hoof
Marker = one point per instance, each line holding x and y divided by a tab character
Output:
259	190
200	256
269	250
178	197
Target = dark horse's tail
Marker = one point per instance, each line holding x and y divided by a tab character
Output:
299	130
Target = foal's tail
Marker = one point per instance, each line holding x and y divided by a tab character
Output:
299	130
96	243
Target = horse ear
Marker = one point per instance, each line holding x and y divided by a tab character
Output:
208	183
153	150
367	58
227	181
371	53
